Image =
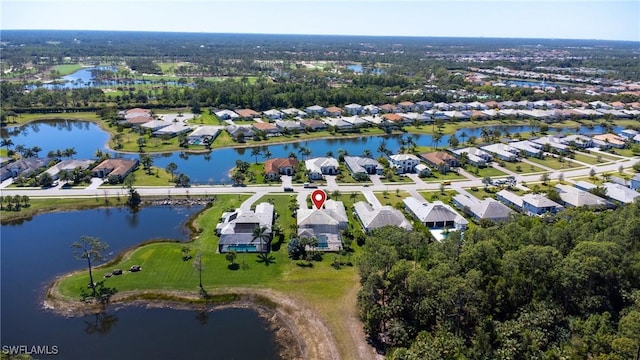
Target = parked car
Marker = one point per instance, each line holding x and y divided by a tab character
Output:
288	189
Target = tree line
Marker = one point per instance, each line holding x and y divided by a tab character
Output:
566	286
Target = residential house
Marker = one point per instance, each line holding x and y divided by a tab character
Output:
364	165
356	121
414	117
476	105
173	130
354	109
268	128
317	167
338	123
393	119
118	168
424	105
333	111
629	133
441	106
579	141
574	197
316	110
138	120
584	185
406	106
435	215
273	114
503	152
634	183
441	160
482	209
240	132
475	156
538	204
325	225
374	218
313	124
273	168
204	133
236	229
620	193
388	108
423	170
404	163
68	166
609	140
247	113
510	199
294	112
371	109
456	115
155	125
226	115
527	147
135	112
25	166
554	143
288	125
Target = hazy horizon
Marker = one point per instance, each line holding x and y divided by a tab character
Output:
516	19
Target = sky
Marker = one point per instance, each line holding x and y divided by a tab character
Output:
566	19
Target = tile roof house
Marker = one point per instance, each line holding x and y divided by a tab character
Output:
435	215
373	218
320	166
482	209
333	111
154	125
236	131
269	128
579	141
388	108
236	229
313	124
405	106
359	164
324	224
620	193
202	132
371	109
273	168
119	168
441	160
247	113
610	140
574	197
139	120
288	125
173	130
294	112
393	118
273	114
25	166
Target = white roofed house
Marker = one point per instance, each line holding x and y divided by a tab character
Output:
629	133
482	209
315	110
273	114
320	166
173	130
353	109
288	125
155	125
325	225
435	215
579	141
527	147
502	151
538	204
202	133
374	218
294	112
237	227
226	114
554	143
475	156
68	166
620	193
404	163
371	109
365	165
573	197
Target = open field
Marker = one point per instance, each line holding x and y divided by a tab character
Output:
67	69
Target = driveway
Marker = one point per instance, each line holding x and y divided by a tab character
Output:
287	180
376	180
331	181
95	183
371	198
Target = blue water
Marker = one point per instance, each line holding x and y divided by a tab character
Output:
36	251
84	78
358	69
214	167
242	248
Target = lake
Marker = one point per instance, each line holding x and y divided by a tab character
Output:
213	168
33	254
84	78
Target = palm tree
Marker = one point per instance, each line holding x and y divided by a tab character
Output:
304	152
262	234
6	142
366	153
436	139
171	169
267	154
463	135
36	150
255	152
329	153
382	148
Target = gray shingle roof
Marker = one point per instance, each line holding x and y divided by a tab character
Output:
376	218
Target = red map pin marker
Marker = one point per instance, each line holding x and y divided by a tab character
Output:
318	197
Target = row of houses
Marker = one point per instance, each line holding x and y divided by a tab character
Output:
118	168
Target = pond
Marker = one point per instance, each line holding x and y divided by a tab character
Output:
33	254
214	167
84	78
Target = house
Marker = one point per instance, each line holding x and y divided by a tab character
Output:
273	168
435	215
25	166
457	115
240	132
388	108
393	118
139	120
371	109
294	112
226	115
268	128
482	209
374	218
355	121
247	113
354	109
273	114
510	199
634	183
325	225
476	105
68	166
628	133
317	167
236	229
424	105
441	160
414	117
316	110
155	125
404	163
502	151
538	204
173	130
610	140
554	142
338	123
475	156
423	170
313	124
620	193
364	165
333	111
136	112
204	133
118	168
584	185
579	141
574	197
527	147
288	125
405	106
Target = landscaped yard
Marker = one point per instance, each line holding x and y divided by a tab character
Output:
554	163
522	168
391	197
396	179
437	195
437	177
484	172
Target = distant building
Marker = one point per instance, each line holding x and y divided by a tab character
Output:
226	115
620	193
25	166
238	132
475	156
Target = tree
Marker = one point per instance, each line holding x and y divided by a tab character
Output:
92	250
436	139
171	169
69	152
366	153
141	143
6	142
147	162
592	172
453	141
199	266
544	178
255	151
45	180
263	235
304	152
231	257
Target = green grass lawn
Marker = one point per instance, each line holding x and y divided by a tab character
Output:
67	69
485	171
438	196
437	177
587	159
622	152
604	156
522	168
391	197
396	179
42	205
554	163
26	118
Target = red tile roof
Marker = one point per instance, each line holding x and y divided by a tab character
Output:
393	117
334	109
247	113
273	166
265	126
438	157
